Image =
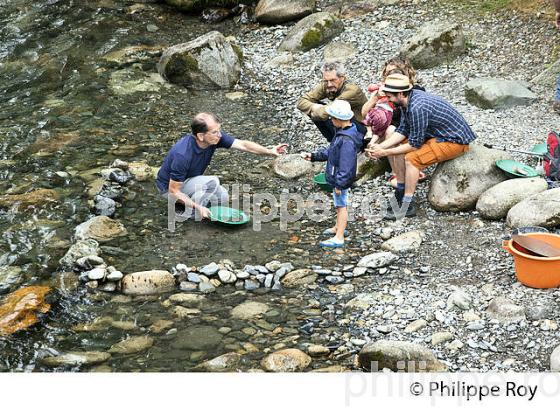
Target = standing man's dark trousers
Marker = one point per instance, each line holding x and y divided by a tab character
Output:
328	129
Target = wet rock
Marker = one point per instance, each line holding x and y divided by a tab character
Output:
97	274
311	32
287	360
193	277
359	271
10	277
160	326
225	363
251	284
318	350
459	299
130	81
330	369
148	282
300	277
206	287
227	276
555	360
111	190
188	286
214	15
282	11
37	198
133	54
104	206
273	266
435	43
133	344
119	176
398	356
406	242
187	299
339	51
249	310
542	209
20	308
496	202
88	262
94	187
183	312
197	338
210	269
100	228
207	62
377	260
141	171
114	276
457	184
505	311
76	359
498	93
415	326
292	166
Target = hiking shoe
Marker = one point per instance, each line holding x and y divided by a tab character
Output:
409	212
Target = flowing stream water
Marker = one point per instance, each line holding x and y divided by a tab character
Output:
63	116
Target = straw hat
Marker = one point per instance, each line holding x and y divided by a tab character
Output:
340	109
396	83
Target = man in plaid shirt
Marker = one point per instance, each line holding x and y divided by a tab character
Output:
431	131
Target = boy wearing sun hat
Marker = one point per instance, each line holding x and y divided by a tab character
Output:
341	157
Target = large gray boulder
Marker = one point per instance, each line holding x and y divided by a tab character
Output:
311	32
457	184
498	200
198	5
542	209
435	43
282	11
207	62
398	356
548	77
497	93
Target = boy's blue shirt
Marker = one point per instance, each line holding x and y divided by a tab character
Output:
341	156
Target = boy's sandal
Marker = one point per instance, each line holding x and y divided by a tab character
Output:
330	231
331	243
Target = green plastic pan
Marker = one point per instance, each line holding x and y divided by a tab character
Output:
321	181
228	216
517	169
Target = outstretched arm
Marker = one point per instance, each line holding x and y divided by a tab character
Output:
254	148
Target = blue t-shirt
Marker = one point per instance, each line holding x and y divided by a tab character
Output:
186	160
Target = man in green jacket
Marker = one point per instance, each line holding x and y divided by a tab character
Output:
334	86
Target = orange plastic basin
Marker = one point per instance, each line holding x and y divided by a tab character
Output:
535	271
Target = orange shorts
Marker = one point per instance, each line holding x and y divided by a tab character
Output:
433	152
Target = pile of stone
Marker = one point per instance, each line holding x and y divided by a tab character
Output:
116	177
208	277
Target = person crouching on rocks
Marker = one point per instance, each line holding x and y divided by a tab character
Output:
341	157
431	131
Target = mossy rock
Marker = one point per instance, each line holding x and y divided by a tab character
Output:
369	169
435	43
207	62
312	32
